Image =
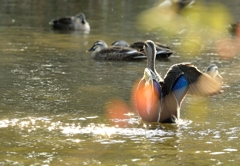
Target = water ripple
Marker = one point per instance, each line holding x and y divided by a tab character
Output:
32	124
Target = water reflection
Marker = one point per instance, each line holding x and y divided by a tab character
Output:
39	132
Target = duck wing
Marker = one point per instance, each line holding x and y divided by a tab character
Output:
163	53
180	80
200	83
187	75
120	53
137	45
62	23
175	87
64	20
162	50
159	45
120	43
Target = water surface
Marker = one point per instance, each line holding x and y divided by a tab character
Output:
54	95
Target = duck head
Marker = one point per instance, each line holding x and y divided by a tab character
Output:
82	17
150	51
212	70
98	46
120	43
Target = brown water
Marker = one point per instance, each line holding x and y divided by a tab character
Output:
53	95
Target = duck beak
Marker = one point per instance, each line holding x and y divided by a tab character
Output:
219	76
91	49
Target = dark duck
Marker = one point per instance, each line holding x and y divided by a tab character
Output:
77	22
101	51
162	50
159	100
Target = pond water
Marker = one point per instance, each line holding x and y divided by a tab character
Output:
54	96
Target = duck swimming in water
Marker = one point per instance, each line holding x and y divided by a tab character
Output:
159	100
101	51
77	22
162	50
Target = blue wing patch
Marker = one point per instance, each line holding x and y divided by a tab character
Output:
180	87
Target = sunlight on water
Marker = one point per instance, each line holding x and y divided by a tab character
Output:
73	132
32	124
109	131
